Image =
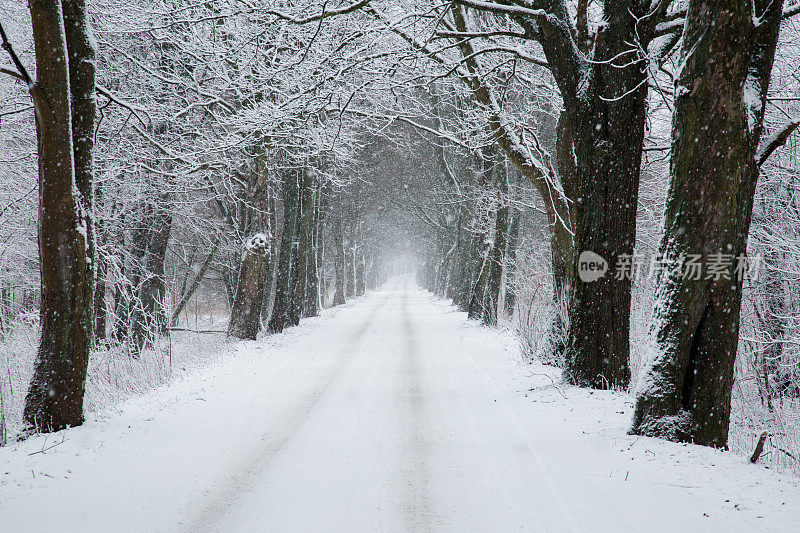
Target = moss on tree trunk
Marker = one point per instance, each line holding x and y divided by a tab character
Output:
685	391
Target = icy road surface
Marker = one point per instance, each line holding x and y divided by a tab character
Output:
391	414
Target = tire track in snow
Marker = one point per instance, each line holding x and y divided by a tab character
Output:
223	498
416	499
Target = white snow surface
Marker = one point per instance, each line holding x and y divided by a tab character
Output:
393	413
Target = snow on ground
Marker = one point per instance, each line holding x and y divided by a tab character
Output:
392	413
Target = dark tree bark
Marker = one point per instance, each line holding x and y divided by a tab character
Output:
350	258
497	253
361	272
81	53
608	133
562	245
305	251
250	289
456	264
604	93
55	397
100	313
478	263
685	391
281	307
148	318
510	300
271	220
127	291
101	279
311	305
340	263
772	321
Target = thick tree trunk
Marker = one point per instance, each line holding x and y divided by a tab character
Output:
281	307
55	397
476	274
454	261
604	91
320	257
305	252
461	264
685	391
250	289
607	124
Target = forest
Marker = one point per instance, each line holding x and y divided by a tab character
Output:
614	183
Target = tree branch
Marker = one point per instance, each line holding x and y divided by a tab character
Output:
21	73
776	140
521	157
502	9
321	15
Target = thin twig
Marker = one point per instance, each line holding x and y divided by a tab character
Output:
49	447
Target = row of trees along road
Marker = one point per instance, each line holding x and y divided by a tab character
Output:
602	73
261	122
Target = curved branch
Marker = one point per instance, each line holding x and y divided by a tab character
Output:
21	73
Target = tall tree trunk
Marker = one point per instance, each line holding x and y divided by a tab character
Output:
608	133
498	252
483	214
472	262
772	321
55	397
271	221
81	53
101	276
685	391
350	254
562	245
311	306
128	288
100	313
148	318
340	265
280	316
511	262
250	290
305	251
454	263
361	271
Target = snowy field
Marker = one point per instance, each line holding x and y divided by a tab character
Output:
392	413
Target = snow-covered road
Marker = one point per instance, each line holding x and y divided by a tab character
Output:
391	414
